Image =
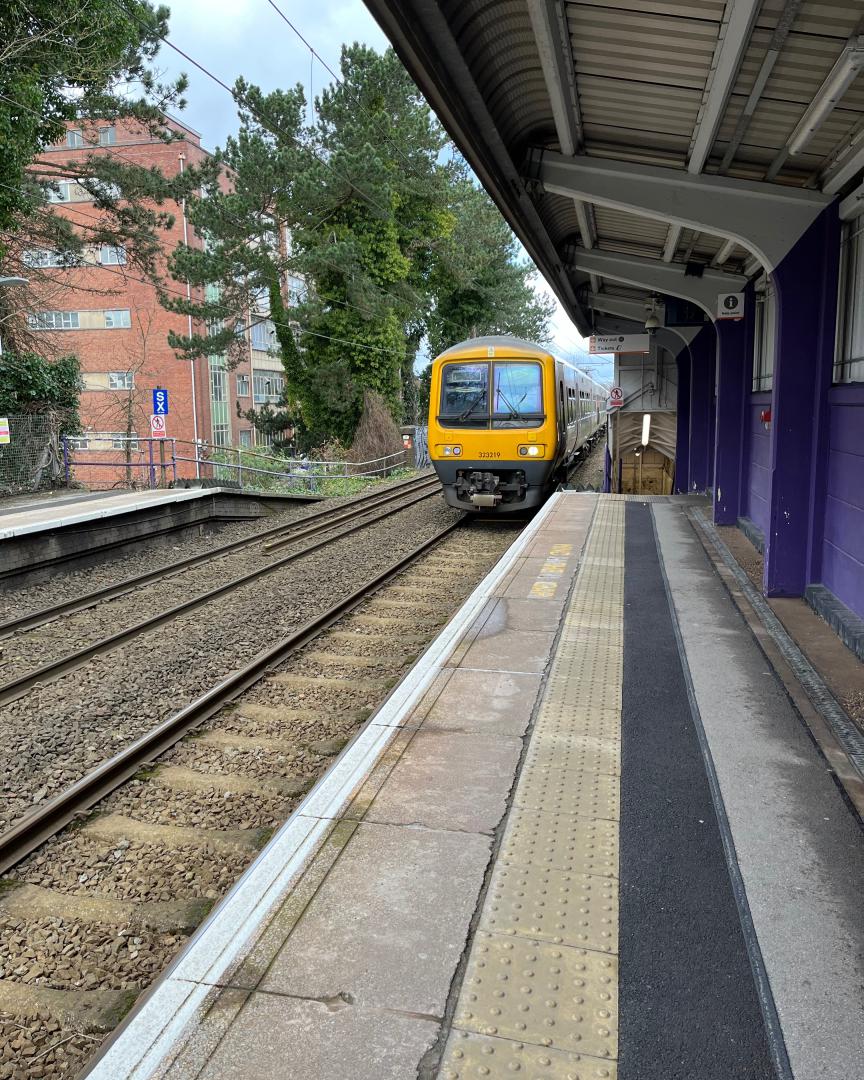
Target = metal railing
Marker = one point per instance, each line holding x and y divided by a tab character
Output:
149	462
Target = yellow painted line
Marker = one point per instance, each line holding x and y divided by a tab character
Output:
540	994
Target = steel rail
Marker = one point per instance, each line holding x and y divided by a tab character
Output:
29	832
16	688
295	531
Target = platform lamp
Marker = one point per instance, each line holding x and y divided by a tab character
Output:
12	281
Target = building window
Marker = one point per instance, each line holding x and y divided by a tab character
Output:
849	357
109	255
42	258
53	320
74	139
763	337
78	442
65	191
242	386
296	290
261	300
262	335
221	434
245	437
107	136
121	380
118	319
267	386
218	385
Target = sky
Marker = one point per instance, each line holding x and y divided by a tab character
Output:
249	38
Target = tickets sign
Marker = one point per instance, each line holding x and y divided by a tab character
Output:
618	343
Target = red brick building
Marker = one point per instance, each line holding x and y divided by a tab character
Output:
110	317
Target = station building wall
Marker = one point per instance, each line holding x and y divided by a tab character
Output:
843	528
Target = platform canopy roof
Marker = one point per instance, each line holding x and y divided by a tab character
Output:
635	145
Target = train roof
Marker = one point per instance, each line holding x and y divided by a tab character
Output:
506	341
496	340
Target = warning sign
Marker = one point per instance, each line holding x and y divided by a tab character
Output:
616	396
157	427
5	437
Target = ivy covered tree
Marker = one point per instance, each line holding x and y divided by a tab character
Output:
377	214
480	283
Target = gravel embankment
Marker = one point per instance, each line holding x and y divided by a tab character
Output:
58	731
139	559
25	651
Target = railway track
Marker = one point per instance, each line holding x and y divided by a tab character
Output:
276	535
333	527
90	918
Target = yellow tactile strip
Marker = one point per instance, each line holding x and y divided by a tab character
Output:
541	987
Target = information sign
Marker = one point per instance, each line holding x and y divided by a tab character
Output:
730	305
160	402
618	343
157	427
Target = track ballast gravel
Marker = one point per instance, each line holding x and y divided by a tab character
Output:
58	731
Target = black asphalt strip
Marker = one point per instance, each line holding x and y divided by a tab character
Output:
687	998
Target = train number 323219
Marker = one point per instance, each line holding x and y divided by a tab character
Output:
489	454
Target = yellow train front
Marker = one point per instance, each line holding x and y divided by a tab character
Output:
506	420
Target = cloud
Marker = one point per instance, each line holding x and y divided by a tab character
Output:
249	38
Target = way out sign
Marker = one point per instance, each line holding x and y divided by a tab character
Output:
157	427
618	343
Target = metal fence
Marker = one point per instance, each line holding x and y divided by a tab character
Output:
152	463
30	461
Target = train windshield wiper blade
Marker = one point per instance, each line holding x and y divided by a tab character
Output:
515	414
474	401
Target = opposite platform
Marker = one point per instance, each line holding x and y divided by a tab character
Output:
586	837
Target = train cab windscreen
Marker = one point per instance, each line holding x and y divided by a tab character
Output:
516	398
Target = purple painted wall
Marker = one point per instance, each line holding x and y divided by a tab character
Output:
757	463
843	535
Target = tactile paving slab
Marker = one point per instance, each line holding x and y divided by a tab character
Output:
587	793
564	909
477	1057
561	841
549	995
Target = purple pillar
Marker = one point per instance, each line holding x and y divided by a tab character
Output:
701	395
682	433
806	289
734	360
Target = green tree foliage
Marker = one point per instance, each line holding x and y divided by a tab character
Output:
64	62
73	64
30	384
481	285
376	201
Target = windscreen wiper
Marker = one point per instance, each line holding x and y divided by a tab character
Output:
475	401
515	414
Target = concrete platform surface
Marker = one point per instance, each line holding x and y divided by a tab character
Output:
586	837
19	521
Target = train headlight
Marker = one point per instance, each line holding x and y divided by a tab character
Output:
448	450
457	450
532	450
